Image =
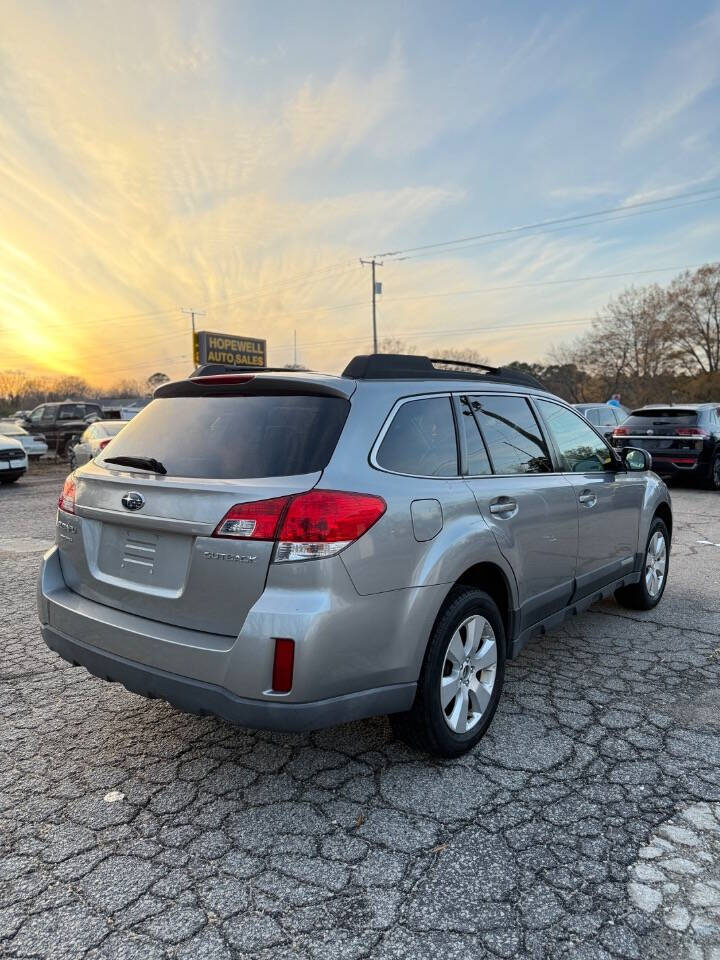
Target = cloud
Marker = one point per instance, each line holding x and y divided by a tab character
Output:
688	72
583	191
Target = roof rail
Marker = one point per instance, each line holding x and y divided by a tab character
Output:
398	366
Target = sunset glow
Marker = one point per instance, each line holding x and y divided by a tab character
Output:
218	156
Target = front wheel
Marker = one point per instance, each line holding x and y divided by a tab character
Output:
648	592
461	678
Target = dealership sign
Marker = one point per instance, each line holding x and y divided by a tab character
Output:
229	349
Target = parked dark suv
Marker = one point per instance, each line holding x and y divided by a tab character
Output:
292	550
683	440
60	422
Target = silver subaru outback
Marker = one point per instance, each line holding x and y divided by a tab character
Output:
293	550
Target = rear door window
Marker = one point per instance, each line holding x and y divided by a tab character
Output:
512	434
235	437
420	440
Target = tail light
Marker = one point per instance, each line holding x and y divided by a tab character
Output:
691	432
319	523
67	497
621	432
104	443
224	379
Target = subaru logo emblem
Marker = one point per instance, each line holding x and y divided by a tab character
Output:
133	500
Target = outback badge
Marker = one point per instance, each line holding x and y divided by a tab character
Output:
133	500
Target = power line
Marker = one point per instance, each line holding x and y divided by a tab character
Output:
540	283
546	223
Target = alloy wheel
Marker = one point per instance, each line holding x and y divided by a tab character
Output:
655	564
468	675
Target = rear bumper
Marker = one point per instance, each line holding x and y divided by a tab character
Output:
13	474
194	696
337	678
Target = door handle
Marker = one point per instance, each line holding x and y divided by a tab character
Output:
588	498
503	507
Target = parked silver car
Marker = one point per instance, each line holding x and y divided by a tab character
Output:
97	436
294	550
34	445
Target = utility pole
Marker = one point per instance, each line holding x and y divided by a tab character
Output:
376	288
192	313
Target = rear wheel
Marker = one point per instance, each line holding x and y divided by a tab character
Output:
648	592
461	679
713	480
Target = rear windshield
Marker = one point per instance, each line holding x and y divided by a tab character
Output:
677	414
235	437
665	413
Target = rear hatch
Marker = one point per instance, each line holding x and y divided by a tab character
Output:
219	446
670	434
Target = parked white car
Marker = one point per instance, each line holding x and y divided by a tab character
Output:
128	412
34	445
97	436
13	459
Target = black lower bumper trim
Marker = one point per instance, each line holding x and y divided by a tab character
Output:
195	696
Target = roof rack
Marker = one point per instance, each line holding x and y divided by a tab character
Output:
398	366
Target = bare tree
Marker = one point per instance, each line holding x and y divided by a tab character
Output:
395	345
694	308
12	384
72	387
467	354
157	380
630	344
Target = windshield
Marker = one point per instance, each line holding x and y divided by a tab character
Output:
234	437
110	429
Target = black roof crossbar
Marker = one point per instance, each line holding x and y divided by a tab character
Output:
398	366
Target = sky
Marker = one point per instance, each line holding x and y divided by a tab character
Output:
239	158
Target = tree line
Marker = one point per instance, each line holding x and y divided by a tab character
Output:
648	344
18	391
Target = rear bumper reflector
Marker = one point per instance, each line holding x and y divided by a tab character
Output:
283	663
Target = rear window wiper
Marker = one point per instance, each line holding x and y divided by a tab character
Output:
143	463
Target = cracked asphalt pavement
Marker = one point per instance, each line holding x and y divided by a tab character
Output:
585	825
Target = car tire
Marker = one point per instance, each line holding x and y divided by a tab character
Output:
647	592
461	678
713	479
71	461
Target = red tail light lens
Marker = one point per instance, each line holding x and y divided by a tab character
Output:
252	521
315	524
621	432
283	662
322	522
104	443
691	432
67	497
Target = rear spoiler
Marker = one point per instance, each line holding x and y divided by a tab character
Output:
237	382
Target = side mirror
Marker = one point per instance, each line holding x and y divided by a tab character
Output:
636	459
